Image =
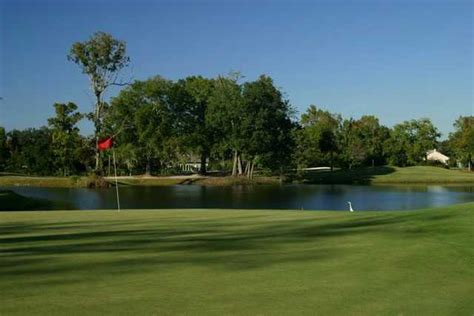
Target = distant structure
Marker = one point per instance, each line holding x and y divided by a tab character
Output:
434	155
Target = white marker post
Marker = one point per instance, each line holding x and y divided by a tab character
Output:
116	182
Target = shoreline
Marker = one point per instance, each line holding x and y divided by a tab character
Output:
418	175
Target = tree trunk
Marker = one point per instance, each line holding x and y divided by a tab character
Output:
108	172
332	164
97	132
247	169
251	170
239	164
148	167
202	169
234	165
97	154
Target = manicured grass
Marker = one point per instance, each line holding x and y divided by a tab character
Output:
393	175
222	262
11	201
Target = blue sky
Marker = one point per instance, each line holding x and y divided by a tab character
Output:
397	60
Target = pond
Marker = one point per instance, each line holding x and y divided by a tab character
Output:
294	196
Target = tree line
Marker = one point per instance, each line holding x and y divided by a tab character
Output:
223	123
160	124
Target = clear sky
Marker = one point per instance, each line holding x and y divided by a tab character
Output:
395	59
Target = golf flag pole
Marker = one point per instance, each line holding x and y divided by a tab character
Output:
116	182
104	144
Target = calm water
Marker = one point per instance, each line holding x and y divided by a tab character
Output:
308	197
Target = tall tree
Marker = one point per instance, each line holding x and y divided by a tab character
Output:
101	58
3	148
319	135
410	141
30	151
191	99
65	135
362	141
462	140
266	126
225	115
143	115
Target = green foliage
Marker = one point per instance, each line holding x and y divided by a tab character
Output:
143	116
462	140
361	142
266	125
30	151
225	114
191	96
100	58
66	142
409	142
4	155
317	140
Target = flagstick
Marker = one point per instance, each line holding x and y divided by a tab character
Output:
116	182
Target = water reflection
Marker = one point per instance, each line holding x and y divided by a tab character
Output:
308	197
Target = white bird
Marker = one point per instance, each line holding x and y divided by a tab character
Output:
350	206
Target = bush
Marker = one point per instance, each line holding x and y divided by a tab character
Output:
95	181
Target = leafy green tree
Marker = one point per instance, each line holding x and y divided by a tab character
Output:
143	115
266	126
225	116
362	141
4	155
410	141
30	151
462	140
317	142
354	151
65	136
191	101
127	154
101	58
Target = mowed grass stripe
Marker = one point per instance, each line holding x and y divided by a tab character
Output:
215	262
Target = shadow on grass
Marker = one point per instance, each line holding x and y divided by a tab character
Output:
38	249
353	176
11	201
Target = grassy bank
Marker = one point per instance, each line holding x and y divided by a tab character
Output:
200	262
72	182
392	175
54	182
378	175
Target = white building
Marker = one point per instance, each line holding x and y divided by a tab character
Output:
434	155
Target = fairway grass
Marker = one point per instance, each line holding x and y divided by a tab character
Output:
228	262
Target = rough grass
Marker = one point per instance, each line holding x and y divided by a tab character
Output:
202	262
149	181
57	182
392	175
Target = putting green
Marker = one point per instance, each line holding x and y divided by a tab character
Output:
220	262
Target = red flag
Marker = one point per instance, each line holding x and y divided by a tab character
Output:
105	143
